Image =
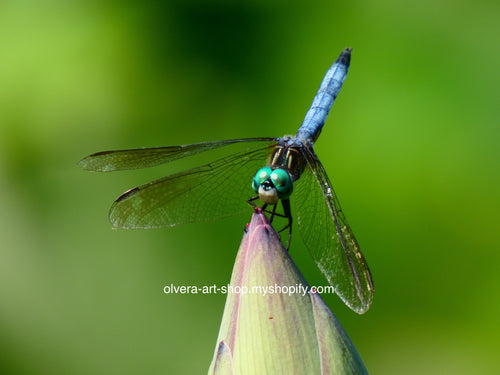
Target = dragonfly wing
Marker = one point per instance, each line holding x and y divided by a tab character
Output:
209	192
107	161
329	238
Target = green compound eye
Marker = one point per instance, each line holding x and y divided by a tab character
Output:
283	183
261	176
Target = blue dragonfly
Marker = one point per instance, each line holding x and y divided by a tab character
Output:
223	188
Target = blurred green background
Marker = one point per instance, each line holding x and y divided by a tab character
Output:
411	146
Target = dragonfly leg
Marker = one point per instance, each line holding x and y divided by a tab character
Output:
273	213
288	215
250	201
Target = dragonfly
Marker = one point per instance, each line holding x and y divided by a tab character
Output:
281	167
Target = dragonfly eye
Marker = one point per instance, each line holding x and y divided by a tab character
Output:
283	183
261	176
272	185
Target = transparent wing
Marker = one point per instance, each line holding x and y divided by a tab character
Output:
329	238
209	192
107	161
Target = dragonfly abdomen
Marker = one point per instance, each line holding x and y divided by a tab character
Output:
326	95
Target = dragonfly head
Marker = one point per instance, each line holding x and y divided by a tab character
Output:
272	185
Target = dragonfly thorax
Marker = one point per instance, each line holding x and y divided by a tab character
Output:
287	156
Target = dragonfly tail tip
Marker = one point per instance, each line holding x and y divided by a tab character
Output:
345	57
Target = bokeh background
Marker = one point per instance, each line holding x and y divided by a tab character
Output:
411	146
